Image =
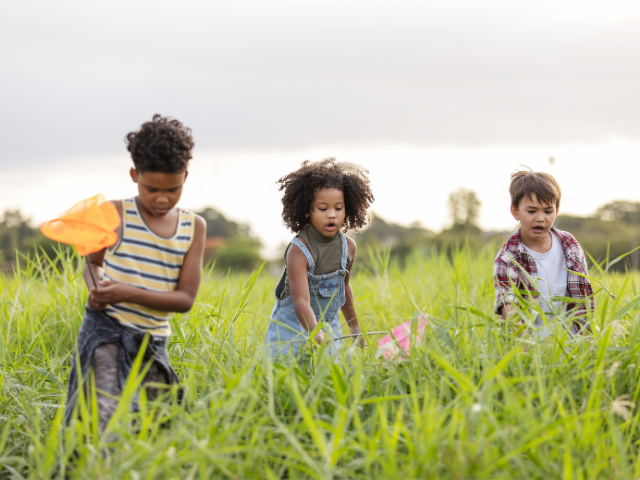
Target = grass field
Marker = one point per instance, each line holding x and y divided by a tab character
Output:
471	402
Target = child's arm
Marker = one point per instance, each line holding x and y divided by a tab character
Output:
299	285
349	308
506	311
95	263
502	287
502	284
180	300
580	288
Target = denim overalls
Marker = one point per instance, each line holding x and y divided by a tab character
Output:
327	296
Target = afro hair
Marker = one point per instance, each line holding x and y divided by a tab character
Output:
301	186
161	145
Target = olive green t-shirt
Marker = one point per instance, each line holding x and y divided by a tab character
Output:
326	253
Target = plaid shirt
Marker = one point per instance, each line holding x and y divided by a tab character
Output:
506	273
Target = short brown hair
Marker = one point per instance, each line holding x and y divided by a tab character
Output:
525	183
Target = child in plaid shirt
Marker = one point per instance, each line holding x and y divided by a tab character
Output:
547	254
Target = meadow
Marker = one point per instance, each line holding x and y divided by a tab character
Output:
474	401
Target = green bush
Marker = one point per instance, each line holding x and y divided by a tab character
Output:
239	253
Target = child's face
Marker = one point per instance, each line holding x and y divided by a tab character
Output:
159	192
327	211
535	218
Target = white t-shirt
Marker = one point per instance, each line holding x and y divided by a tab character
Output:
552	279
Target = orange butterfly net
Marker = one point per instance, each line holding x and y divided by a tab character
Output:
89	226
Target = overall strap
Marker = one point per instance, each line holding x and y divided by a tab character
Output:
345	251
312	264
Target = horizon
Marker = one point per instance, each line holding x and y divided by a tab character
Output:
424	184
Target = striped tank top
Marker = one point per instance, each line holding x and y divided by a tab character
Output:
145	260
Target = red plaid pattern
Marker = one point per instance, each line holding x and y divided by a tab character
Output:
506	273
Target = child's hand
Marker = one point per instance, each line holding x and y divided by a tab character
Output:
110	292
320	338
362	343
93	303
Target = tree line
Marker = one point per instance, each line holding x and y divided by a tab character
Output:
613	230
230	244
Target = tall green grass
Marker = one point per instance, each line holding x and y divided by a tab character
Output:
471	402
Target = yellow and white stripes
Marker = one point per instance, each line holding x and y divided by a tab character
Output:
145	260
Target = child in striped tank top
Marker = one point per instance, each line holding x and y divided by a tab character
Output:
152	271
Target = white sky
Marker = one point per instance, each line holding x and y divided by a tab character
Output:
429	96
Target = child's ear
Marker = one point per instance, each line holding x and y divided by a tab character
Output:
134	175
186	174
514	212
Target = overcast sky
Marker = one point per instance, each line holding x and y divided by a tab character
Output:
426	89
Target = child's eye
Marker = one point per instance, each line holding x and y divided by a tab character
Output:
151	190
340	208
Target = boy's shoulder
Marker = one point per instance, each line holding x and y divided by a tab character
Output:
200	223
118	205
576	259
510	248
566	239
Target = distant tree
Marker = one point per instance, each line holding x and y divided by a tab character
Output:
240	253
398	239
464	207
601	237
218	225
623	219
17	235
386	233
622	210
229	243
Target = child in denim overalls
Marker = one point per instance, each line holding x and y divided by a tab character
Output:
319	200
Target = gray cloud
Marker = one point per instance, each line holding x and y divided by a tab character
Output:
76	76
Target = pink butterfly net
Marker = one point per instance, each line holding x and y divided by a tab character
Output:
397	345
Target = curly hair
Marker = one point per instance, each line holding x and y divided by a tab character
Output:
162	145
301	186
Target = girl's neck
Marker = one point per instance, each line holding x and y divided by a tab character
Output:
317	237
542	245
